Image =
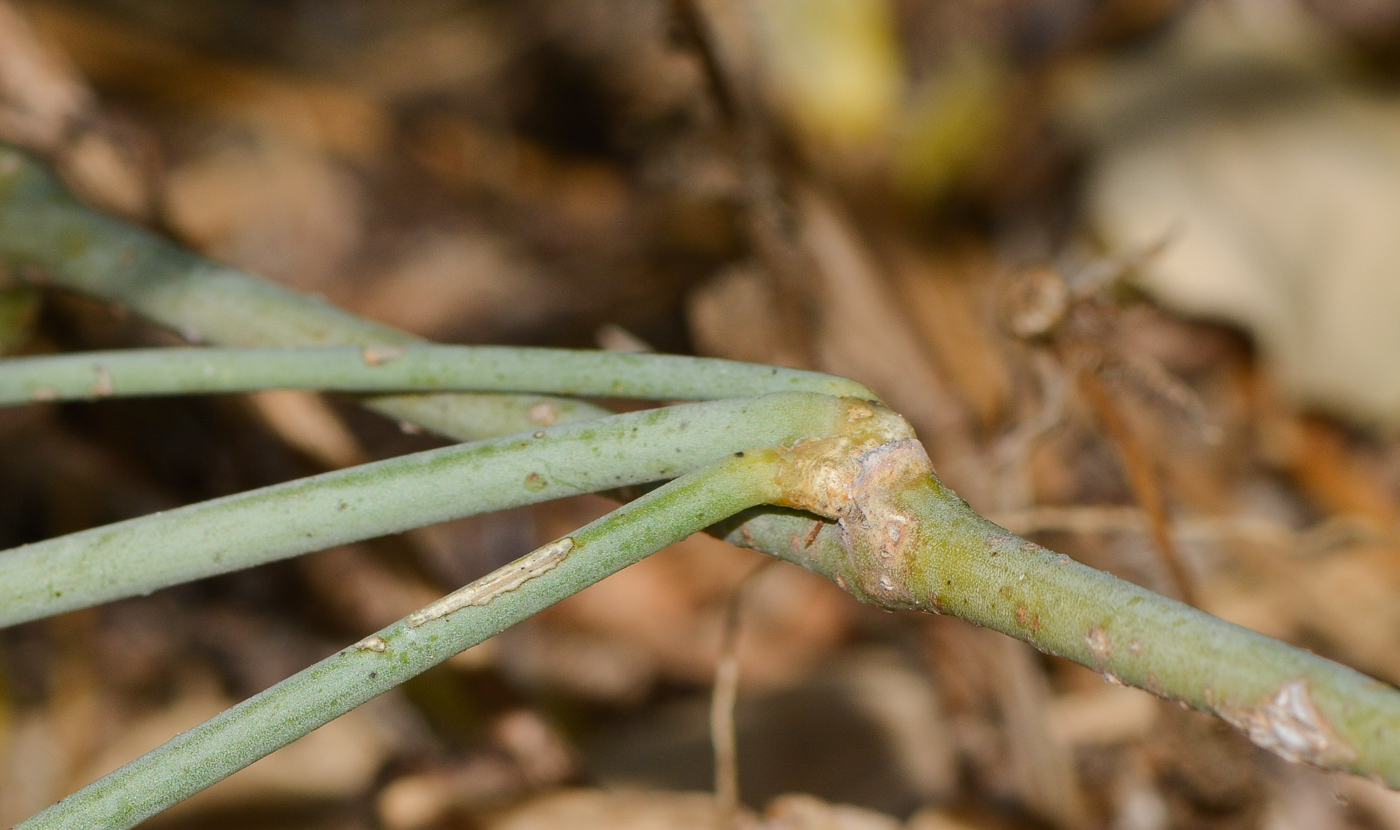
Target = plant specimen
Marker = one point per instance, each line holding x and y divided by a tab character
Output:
808	468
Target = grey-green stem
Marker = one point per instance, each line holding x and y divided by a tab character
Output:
268	721
415	368
906	541
144	554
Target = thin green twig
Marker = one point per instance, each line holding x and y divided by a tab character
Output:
43	227
416	368
262	724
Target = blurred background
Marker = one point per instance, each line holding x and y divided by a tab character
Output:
1128	266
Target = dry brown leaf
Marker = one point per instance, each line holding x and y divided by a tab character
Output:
41	92
118	56
934	819
462	283
1110	715
32	766
337	761
362	594
46	106
308	424
670	606
941	300
619	810
738	314
806	812
422	800
274	207
1279	199
866	336
441	53
998	694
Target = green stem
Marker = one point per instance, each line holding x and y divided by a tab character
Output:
262	724
1287	700
906	541
180	371
80	249
247	529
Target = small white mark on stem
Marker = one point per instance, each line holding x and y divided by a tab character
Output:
1290	725
1100	645
379	355
373	643
498	582
102	387
45	393
544	413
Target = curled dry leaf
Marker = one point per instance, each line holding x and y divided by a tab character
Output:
623	810
46	106
1282	205
269	205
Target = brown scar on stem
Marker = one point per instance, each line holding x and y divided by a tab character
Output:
812	534
1289	724
500	581
1028	618
379	355
850	477
1100	645
747	536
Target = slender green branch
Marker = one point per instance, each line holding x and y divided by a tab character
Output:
83	250
239	531
225	744
183	371
80	249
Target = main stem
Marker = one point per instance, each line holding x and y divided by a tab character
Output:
906	541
